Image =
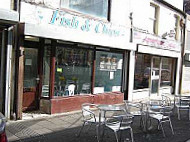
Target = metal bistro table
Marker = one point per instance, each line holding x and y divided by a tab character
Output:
103	108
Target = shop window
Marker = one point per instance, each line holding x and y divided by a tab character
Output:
153	19
142	71
46	71
108	72
97	8
73	71
166	72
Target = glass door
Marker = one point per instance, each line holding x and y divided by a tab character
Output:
31	79
155	75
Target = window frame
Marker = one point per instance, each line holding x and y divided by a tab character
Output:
156	18
177	26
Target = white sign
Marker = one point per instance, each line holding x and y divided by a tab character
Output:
147	39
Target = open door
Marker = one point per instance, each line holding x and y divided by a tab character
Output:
31	79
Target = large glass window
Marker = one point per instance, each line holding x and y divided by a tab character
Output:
93	7
46	71
108	72
73	71
142	71
166	72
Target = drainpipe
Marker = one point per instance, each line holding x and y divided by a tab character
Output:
183	34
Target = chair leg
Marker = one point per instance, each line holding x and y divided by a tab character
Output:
171	126
141	122
81	129
162	129
158	125
132	140
89	127
116	136
178	113
120	135
98	133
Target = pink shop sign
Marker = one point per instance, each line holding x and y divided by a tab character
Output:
147	39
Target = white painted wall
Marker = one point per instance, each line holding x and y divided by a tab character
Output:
140	10
120	10
167	21
5	4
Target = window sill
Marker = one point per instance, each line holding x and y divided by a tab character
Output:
141	90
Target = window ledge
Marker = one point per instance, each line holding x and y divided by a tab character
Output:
141	90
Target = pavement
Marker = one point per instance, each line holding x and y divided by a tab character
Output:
64	127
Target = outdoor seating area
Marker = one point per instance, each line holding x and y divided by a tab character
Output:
150	116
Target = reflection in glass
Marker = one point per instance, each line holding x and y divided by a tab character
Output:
30	66
154	88
142	71
166	72
73	71
108	72
46	71
93	7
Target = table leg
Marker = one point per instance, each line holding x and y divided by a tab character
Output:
98	127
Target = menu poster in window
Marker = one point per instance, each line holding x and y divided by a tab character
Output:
28	62
102	62
108	63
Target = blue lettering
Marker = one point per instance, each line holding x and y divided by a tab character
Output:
86	26
63	21
74	23
55	17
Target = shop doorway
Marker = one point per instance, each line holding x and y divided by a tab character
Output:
155	75
31	79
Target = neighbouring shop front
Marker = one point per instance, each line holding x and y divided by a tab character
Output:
8	21
65	66
157	65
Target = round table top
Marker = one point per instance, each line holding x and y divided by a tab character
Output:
106	107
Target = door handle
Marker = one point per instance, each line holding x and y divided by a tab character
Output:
37	79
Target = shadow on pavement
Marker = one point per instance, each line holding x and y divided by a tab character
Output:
181	130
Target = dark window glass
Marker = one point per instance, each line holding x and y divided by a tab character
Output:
73	71
142	71
166	72
108	72
46	71
30	68
93	7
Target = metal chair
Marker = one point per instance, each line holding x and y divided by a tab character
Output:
182	103
162	117
119	123
89	116
136	109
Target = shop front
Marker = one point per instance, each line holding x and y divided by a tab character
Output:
65	65
8	21
157	65
62	75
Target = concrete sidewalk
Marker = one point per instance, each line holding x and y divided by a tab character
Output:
64	127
